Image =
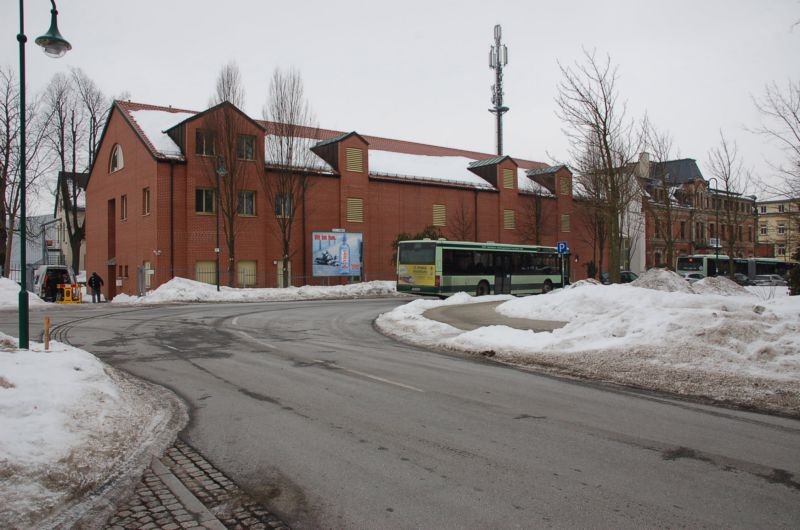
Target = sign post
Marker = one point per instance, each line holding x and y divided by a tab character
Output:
563	249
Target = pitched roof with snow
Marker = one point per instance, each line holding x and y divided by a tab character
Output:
677	171
151	122
388	158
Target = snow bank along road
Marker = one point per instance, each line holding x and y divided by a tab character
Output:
313	412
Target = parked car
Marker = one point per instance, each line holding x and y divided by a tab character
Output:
624	277
694	277
742	279
769	279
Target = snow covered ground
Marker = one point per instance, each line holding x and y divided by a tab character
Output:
713	339
68	422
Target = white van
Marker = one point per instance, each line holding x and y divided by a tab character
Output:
57	275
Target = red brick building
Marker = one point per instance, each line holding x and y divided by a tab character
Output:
150	200
701	219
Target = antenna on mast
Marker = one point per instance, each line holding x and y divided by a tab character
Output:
498	58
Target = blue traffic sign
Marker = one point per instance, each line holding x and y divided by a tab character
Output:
562	247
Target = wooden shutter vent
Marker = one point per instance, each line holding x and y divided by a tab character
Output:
508	179
355	159
439	215
508	220
355	210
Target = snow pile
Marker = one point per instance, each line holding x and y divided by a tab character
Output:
68	424
663	280
719	285
9	294
184	290
583	283
722	343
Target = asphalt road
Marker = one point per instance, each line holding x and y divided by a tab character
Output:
332	425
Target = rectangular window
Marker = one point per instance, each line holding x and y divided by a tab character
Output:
206	272
750	234
246	273
781	229
355	210
247	203
204	142
780	250
439	215
204	201
354	159
283	206
246	147
565	185
509	221
565	222
762	229
508	179
763	209
781	208
146	201
123	207
683	229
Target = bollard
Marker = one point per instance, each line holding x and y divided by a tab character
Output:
46	333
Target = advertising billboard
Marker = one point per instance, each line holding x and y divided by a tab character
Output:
336	253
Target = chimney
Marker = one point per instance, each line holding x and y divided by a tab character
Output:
643	167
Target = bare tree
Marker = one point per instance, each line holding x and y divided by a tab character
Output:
36	161
603	141
235	152
661	204
781	112
726	166
461	225
532	219
291	132
95	106
592	214
67	133
229	86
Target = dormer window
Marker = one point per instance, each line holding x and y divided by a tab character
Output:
117	162
204	142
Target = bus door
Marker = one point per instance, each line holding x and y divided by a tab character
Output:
502	273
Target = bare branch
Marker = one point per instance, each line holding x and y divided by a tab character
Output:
229	86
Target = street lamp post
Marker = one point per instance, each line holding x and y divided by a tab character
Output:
54	46
220	172
716	225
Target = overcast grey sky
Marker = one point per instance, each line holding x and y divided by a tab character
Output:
418	71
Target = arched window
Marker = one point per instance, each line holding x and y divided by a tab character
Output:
117	162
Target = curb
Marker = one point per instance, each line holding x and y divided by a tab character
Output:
185	497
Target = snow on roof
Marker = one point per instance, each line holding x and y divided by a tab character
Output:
440	169
527	184
153	123
312	160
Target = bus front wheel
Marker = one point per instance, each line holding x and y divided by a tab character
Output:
483	288
547	287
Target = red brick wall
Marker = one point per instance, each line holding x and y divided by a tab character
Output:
390	207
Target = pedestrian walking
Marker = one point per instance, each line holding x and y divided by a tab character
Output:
95	283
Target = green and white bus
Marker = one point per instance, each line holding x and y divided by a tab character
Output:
442	268
713	265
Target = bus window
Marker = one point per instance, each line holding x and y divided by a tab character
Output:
418	253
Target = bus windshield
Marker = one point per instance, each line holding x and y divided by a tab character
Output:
417	253
690	264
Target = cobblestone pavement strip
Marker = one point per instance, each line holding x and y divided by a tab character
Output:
183	490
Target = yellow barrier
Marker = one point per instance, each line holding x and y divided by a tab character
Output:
69	294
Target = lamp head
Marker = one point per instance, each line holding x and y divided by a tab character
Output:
53	43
